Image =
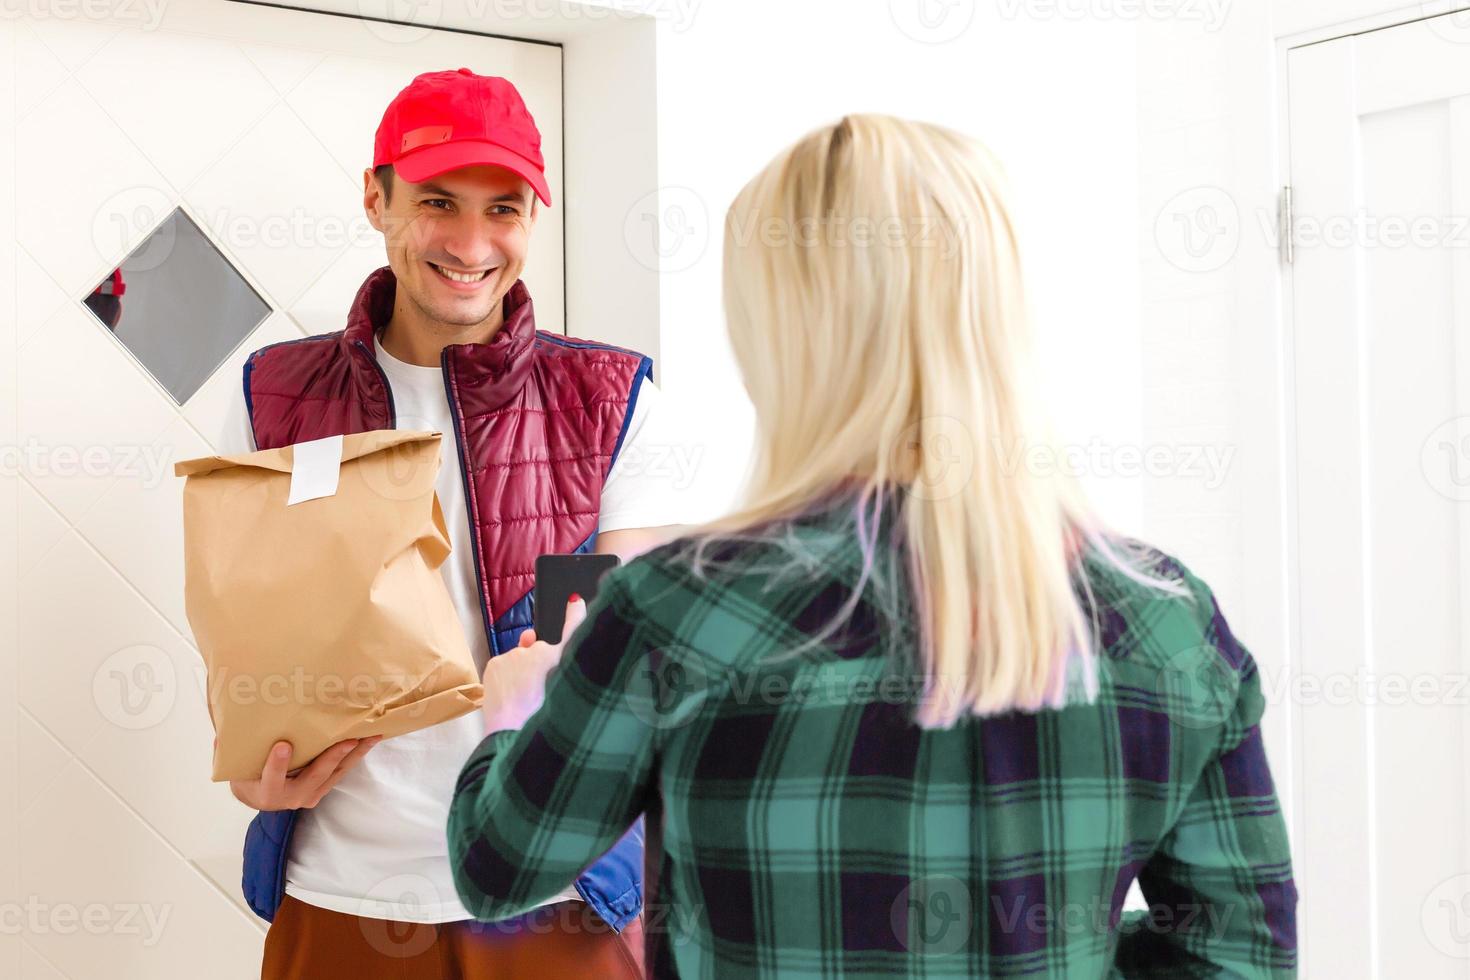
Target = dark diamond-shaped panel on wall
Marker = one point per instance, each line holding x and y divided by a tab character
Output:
179	305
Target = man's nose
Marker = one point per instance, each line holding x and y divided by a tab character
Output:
472	244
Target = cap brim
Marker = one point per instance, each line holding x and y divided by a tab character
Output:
431	161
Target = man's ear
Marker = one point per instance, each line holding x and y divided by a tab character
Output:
372	199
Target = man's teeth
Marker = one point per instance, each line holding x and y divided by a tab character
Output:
460	277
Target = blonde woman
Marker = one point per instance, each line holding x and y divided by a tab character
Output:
912	710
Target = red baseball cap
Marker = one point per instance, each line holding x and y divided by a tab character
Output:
113	285
443	120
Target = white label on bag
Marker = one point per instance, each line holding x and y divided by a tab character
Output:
315	469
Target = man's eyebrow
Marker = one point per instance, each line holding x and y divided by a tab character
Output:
431	188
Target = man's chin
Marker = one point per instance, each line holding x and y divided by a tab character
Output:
459	311
460	316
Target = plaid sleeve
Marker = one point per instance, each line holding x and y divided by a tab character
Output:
1219	886
533	808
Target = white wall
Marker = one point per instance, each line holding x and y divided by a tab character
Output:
740	79
1210	330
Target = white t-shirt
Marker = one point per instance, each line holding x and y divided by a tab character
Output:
375	846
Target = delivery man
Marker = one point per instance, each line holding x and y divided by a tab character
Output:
348	857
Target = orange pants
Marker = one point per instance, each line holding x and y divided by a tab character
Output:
563	940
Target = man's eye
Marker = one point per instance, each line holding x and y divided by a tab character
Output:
506	209
437	200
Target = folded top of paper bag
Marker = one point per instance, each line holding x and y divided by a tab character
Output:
280	460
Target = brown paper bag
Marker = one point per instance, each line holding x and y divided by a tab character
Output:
328	618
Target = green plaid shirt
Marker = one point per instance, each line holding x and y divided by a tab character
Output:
800	825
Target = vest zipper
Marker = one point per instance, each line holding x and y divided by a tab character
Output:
387	388
469	503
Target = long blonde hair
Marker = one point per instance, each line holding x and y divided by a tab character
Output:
874	302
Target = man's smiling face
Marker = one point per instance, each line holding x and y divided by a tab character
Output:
473	223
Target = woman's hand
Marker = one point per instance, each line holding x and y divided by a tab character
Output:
515	681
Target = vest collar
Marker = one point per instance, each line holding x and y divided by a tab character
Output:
498	369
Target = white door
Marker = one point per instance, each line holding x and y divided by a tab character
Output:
1380	296
255	123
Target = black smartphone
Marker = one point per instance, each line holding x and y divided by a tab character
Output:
557	577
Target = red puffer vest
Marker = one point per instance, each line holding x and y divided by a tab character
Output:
539	419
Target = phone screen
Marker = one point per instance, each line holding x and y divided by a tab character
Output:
557	577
